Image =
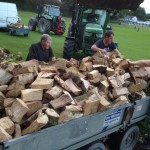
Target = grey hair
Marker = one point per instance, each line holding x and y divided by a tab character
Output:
45	37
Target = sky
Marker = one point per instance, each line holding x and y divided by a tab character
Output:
146	5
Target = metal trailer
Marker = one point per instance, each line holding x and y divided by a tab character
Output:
82	131
15	30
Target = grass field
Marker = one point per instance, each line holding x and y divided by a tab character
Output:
132	44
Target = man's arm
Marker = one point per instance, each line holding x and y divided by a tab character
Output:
118	53
96	49
51	54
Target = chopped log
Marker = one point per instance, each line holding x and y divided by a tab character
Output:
124	64
61	101
36	125
110	72
147	70
51	113
98	61
52	69
61	83
68	115
54	93
73	87
8	112
5	77
15	89
3	88
74	70
17	131
26	78
82	66
98	55
135	88
31	63
140	94
19	109
2	97
116	81
44	74
61	64
32	95
126	76
8	102
89	66
93	74
121	98
91	106
104	85
41	83
74	62
25	70
86	84
4	136
117	61
120	91
7	125
73	108
142	82
33	107
87	59
11	67
103	104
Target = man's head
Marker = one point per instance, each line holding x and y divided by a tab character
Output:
108	37
46	41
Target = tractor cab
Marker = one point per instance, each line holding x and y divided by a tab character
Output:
94	23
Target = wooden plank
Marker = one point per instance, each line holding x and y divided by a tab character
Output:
73	87
32	95
120	91
61	101
34	107
91	106
42	83
19	109
4	136
7	125
36	125
5	77
54	93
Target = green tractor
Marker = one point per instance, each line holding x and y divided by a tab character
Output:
48	19
90	22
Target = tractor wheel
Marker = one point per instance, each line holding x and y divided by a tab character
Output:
63	25
69	49
32	24
44	26
126	140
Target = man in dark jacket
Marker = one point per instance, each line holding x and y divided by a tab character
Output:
42	50
106	45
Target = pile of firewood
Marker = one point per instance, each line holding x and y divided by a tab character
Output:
18	25
34	95
5	57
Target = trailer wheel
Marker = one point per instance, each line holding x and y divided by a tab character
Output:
96	146
32	24
69	49
128	139
44	26
25	34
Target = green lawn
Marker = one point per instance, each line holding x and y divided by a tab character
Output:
133	45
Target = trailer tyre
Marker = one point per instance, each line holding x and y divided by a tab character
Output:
32	24
44	26
96	146
69	49
129	138
10	32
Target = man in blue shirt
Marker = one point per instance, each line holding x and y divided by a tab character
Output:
106	45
